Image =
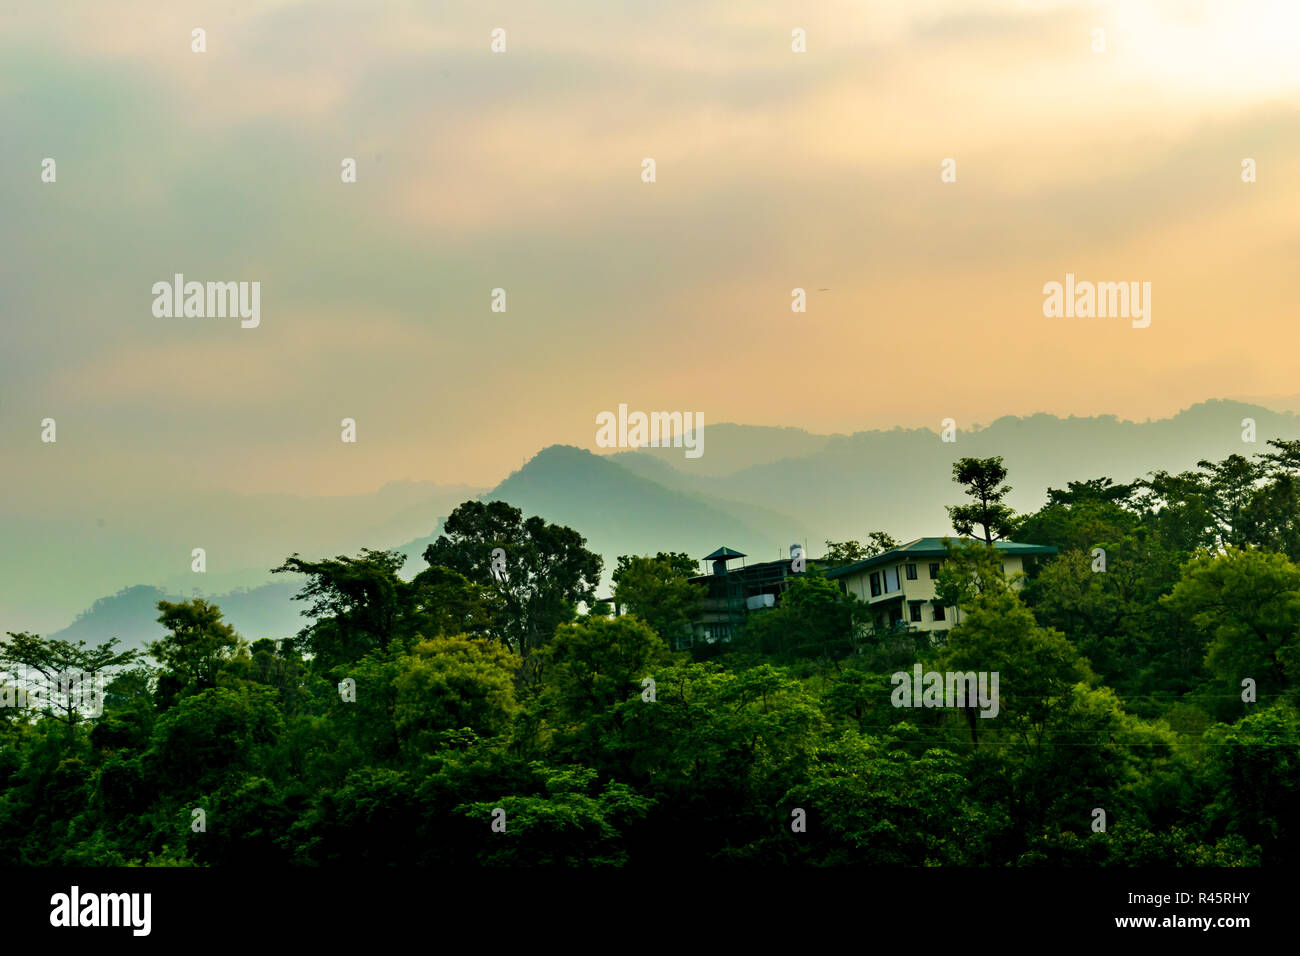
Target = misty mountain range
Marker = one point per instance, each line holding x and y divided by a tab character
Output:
757	489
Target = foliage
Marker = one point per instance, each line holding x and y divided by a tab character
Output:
657	591
470	718
982	479
547	569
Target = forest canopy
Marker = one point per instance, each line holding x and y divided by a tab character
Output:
492	712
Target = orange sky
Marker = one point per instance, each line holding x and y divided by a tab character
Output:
521	170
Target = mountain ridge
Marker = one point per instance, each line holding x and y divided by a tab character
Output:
842	487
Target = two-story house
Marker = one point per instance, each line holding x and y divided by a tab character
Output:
899	585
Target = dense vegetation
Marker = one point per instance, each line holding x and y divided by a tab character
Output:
472	716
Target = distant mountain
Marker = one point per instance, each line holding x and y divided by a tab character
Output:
1279	403
616	509
131	614
787	487
88	549
620	510
731	448
900	480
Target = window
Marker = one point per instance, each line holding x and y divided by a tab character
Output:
875	584
891	580
938	611
934	570
911	572
914	611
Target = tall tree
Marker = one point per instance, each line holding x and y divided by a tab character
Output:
1271	519
542	570
63	671
982	479
198	648
1230	484
357	603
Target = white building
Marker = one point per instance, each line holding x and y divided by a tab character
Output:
899	585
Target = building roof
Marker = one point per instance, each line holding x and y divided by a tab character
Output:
932	548
724	554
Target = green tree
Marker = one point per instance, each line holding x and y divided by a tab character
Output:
1254	776
983	480
357	603
657	591
1037	667
209	736
574	820
870	802
1086	515
66	670
199	647
1230	485
972	569
718	751
278	664
677	561
1213	506
1271	519
443	601
547	567
814	620
597	662
847	552
1138	645
450	683
1246	606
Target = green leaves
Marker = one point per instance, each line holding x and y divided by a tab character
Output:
207	736
1254	770
449	683
1246	606
358	603
872	804
598	662
657	591
982	479
548	568
200	646
814	620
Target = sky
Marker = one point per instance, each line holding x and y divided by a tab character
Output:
522	170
